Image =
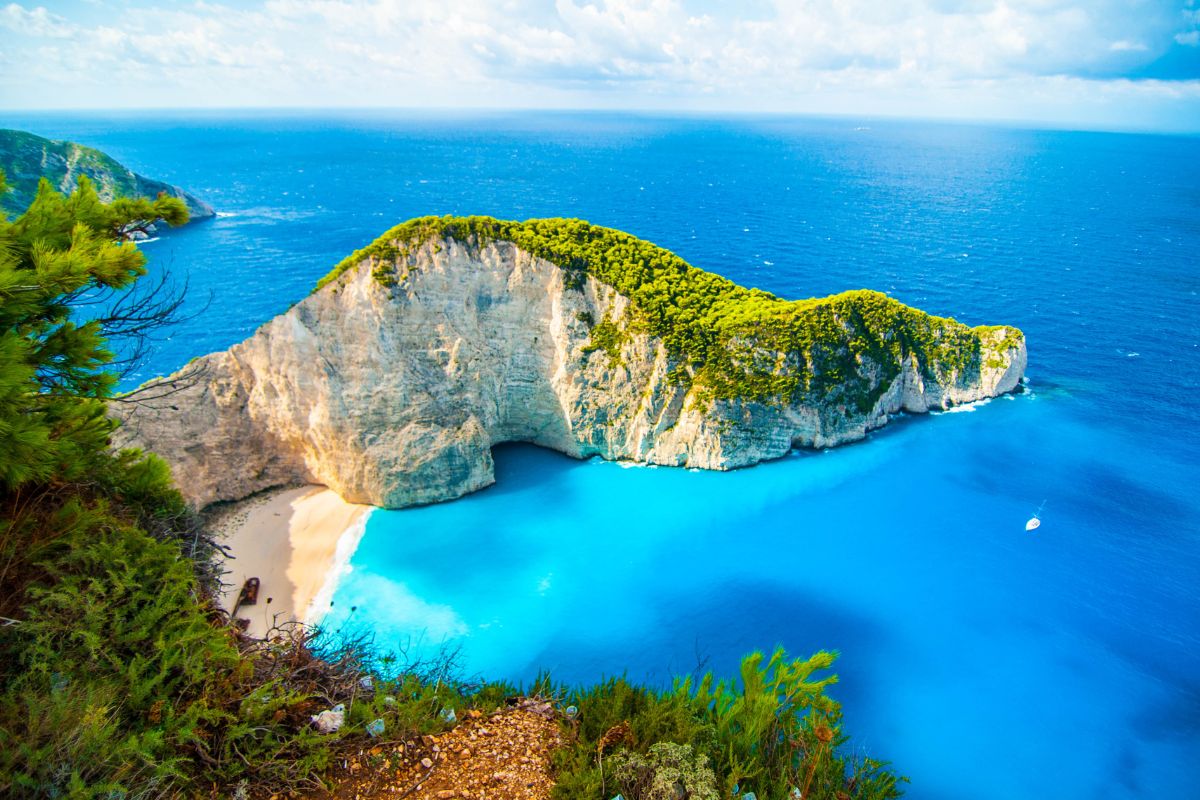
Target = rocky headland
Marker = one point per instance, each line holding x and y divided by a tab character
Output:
25	159
391	383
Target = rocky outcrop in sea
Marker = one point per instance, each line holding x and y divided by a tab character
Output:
392	382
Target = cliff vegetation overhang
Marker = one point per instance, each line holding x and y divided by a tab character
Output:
730	342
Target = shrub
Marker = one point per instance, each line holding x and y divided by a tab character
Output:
120	680
608	337
667	771
772	731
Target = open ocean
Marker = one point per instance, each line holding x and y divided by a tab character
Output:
984	661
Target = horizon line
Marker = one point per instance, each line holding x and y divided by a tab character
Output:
1015	123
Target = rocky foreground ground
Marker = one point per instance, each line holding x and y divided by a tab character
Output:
504	755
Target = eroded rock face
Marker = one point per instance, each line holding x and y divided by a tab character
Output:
394	396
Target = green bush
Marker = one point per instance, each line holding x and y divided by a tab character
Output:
119	678
116	679
608	337
772	731
667	771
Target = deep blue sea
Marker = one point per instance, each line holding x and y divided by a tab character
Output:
984	661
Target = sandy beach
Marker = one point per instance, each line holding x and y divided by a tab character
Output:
295	541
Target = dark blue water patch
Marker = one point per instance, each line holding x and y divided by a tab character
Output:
702	634
1065	660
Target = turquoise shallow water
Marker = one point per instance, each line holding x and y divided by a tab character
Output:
984	661
968	645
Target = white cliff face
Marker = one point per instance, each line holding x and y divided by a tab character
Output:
394	396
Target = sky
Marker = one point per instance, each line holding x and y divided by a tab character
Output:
1113	64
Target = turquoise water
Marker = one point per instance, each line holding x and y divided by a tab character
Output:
965	641
986	662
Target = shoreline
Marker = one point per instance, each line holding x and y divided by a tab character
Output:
297	541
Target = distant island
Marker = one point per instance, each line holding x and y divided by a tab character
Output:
391	383
25	159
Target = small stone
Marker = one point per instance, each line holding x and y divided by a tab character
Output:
426	763
330	721
446	794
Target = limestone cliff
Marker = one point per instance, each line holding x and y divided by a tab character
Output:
392	382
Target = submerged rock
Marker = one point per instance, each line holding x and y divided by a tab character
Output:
392	382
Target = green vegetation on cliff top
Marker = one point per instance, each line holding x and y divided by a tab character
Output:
26	159
730	341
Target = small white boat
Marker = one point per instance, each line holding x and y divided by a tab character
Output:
1035	521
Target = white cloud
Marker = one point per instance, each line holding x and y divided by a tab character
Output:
36	22
806	55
